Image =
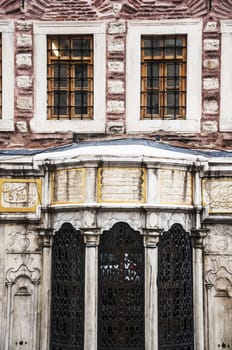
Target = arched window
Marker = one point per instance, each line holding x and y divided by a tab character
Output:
121	289
175	290
67	310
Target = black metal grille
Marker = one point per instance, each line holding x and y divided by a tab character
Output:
175	290
121	290
67	311
70	77
0	76
163	77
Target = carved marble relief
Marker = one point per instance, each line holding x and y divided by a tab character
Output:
121	185
19	195
218	281
175	187
22	307
68	186
217	195
219	239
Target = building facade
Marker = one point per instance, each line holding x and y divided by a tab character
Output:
115	174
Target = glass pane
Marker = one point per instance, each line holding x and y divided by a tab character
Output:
152	47
60	102
153	102
64	47
54	48
173	74
81	106
81	75
60	75
153	75
172	102
81	47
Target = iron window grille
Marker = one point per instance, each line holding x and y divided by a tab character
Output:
163	76
0	76
70	77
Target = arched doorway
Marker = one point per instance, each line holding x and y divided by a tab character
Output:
67	307
175	290
121	289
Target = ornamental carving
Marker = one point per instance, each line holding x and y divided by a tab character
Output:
135	219
219	240
23	271
217	195
219	275
75	218
22	241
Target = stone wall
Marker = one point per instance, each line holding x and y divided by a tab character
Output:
116	15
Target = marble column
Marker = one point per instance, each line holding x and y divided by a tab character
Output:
46	239
91	238
151	238
197	237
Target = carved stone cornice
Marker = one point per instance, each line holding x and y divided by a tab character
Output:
151	237
91	236
198	237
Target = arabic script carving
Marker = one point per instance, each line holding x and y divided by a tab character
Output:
217	195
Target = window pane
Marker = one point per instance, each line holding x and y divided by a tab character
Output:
81	105
153	75
81	75
60	102
60	75
153	102
152	47
173	74
81	47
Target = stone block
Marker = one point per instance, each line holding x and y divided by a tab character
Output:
21	126
211	63
115	87
210	106
24	40
115	127
210	126
24	82
23	60
24	25
211	45
117	28
116	46
116	66
210	83
115	107
211	27
24	102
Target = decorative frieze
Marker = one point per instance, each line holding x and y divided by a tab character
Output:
121	185
19	195
175	187
217	195
68	186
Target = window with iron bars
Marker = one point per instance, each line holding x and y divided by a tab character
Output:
70	77
0	76
163	76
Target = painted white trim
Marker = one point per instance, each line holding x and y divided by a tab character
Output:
40	123
7	32
226	75
193	29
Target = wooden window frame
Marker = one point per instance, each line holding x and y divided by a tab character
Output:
162	61
71	89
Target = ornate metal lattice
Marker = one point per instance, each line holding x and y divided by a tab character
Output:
175	290
121	289
67	312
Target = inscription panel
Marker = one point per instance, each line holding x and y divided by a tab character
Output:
121	185
175	187
68	186
20	195
217	195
